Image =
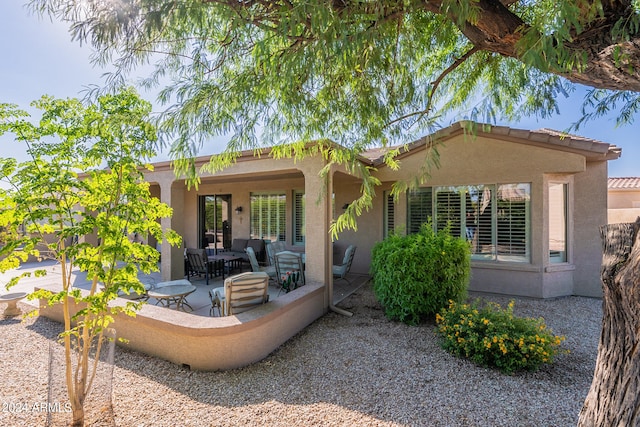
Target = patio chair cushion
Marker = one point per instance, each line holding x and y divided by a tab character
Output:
255	266
217	296
341	271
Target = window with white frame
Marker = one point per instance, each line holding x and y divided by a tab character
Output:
268	216
299	229
494	218
557	222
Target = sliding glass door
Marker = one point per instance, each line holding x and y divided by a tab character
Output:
214	219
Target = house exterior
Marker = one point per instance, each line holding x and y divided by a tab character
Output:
529	202
623	202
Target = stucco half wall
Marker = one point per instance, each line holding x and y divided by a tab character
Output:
215	343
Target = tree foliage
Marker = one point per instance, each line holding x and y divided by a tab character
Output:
347	70
358	73
83	179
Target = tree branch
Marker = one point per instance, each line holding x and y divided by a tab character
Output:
435	84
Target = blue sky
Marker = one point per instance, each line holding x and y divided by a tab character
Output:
38	57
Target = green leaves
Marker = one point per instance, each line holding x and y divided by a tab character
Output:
492	336
415	276
358	73
83	179
83	182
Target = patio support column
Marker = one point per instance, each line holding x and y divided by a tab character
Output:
318	215
172	261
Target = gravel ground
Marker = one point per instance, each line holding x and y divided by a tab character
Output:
358	371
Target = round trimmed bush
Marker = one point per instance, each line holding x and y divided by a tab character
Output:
415	276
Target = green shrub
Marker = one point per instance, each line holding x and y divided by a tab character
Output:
415	276
493	337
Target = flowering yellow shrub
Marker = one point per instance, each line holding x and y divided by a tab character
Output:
492	336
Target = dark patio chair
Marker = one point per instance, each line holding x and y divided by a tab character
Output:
199	263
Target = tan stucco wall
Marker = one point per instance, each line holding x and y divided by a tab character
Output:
590	195
624	198
215	343
481	160
624	205
240	196
369	225
464	161
617	216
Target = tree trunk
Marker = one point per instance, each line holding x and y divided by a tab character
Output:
614	397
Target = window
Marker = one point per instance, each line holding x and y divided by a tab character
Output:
298	218
478	220
449	208
493	218
513	219
389	213
557	222
268	216
419	209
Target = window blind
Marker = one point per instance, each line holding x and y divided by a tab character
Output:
419	208
299	218
268	216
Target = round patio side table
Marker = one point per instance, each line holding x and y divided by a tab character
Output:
12	300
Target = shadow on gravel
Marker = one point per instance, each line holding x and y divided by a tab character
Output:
387	370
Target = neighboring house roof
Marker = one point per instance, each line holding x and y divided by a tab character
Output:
592	149
624	183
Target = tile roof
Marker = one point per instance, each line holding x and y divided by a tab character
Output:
592	148
624	183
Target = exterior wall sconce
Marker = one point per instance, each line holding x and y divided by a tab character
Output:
238	210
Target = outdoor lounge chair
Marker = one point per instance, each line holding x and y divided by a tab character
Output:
255	266
290	270
240	293
341	271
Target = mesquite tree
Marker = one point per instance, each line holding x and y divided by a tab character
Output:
83	178
614	397
362	73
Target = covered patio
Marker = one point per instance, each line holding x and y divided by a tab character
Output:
260	198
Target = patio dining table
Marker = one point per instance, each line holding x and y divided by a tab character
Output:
173	294
231	262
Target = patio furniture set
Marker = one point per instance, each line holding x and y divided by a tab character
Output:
239	293
245	290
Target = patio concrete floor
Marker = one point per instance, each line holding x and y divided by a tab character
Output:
199	299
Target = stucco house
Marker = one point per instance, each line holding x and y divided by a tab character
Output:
623	202
530	203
